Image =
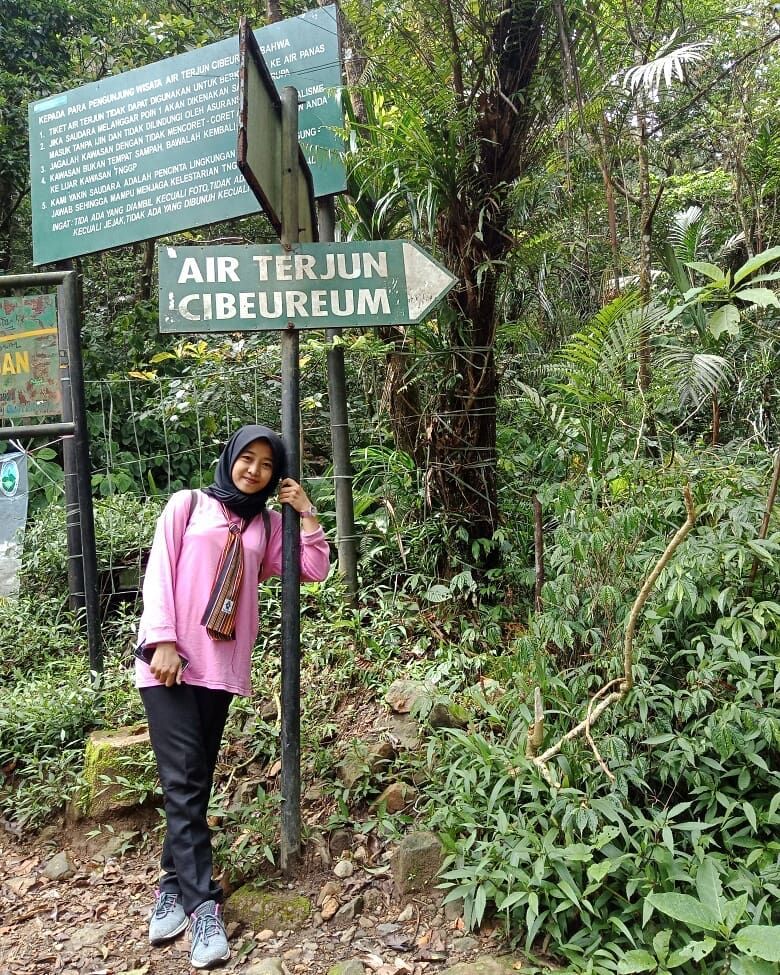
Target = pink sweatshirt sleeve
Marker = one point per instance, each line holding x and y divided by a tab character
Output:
315	553
158	622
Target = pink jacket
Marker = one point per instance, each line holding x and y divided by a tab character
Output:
178	583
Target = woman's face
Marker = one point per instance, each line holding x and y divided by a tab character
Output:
254	467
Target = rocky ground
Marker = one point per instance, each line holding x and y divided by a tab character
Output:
75	904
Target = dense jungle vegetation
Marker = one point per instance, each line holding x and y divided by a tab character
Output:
603	177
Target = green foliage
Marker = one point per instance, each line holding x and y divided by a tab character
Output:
592	866
45	717
124	528
36	627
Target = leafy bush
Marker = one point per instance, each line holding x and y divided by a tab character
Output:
44	720
124	528
593	867
36	628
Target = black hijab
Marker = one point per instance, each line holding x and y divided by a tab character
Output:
223	488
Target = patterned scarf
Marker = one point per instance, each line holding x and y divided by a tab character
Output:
220	615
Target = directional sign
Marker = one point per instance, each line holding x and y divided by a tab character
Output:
260	140
152	151
230	289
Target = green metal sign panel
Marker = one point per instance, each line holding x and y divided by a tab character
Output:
153	151
29	357
230	289
260	141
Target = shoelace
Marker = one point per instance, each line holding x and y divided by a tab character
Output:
205	926
165	904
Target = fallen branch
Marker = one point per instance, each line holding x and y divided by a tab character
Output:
624	683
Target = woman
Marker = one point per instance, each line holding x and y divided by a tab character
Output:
199	624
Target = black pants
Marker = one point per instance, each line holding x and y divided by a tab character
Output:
185	728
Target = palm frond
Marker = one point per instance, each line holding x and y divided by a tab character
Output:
689	234
668	64
697	376
608	339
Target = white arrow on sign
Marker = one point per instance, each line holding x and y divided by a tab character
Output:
426	281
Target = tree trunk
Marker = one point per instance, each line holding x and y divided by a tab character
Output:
715	437
645	240
401	396
462	447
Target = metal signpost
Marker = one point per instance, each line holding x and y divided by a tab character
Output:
151	151
268	152
290	286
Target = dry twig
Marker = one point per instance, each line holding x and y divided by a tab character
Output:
626	682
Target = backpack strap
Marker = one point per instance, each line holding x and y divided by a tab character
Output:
193	502
267	529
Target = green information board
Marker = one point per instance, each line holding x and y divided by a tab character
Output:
228	289
29	357
153	151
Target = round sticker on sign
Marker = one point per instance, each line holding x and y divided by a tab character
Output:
9	478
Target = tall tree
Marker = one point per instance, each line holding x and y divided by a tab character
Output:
34	60
466	95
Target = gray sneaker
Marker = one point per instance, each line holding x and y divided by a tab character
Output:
168	918
209	940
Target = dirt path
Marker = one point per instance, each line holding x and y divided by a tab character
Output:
94	921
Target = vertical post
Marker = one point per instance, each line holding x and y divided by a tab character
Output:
83	466
291	538
339	428
72	526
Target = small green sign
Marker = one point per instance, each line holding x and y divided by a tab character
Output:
29	357
153	151
9	478
13	517
228	289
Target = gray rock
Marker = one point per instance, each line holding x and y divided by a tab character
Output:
89	935
257	908
60	867
484	965
350	910
105	846
266	966
340	840
453	909
352	966
416	862
355	765
403	695
448	716
396	797
344	869
402	730
465	945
